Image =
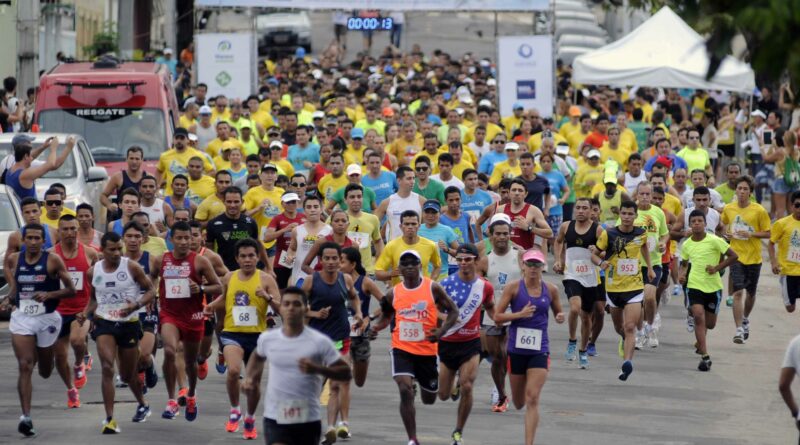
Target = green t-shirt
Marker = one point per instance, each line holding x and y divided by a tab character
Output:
366	203
704	253
696	159
434	190
655	225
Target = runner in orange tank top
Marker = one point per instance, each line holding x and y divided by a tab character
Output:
413	307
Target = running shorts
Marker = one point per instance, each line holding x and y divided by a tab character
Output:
454	354
421	367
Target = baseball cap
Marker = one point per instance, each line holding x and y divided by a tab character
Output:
431	204
318	115
273	131
574	111
500	218
205	110
534	255
332	120
357	133
353	169
609	177
269	167
485	103
593	153
228	145
388	112
468	248
512	146
289	197
517	106
758	113
409	253
664	161
276	145
180	131
22	139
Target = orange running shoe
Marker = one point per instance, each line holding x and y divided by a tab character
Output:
202	370
73	398
501	406
88	361
80	376
233	421
250	428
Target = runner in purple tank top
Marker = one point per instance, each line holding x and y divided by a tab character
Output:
528	348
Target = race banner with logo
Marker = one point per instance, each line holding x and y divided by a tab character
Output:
226	63
388	5
525	73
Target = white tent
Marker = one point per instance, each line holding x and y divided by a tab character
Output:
662	52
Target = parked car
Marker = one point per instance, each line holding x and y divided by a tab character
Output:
10	222
283	31
83	178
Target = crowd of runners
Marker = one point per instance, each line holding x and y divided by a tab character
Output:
389	197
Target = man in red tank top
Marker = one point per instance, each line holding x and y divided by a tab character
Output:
181	312
527	221
78	260
414	305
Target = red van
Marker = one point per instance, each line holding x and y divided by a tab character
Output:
113	104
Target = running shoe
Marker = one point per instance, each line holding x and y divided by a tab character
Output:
591	349
501	406
572	350
689	323
110	427
330	436
676	290
171	411
413	442
202	370
455	393
621	348
583	359
739	337
25	426
343	431
652	339
142	413
641	339
729	301
88	361
657	321
191	408
457	440
182	396
746	328
705	364
665	296
120	383
80	376
250	428
220	365
150	376
73	398
233	421
627	369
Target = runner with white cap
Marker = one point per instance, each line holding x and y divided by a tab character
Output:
529	298
414	306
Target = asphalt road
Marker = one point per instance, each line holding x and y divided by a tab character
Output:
666	400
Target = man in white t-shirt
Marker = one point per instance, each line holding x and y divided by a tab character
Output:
291	404
791	366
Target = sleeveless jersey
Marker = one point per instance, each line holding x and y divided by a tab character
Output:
31	279
12	180
579	266
175	297
334	296
155	212
76	268
520	237
415	314
470	298
528	336
396	207
632	182
502	269
115	291
304	243
186	204
127	182
245	312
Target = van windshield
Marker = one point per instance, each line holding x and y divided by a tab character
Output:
110	131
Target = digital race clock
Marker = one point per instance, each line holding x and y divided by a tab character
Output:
370	23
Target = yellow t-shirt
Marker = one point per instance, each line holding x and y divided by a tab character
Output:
404	150
253	199
627	140
752	218
619	155
786	235
216	144
284	167
221	164
200	189
353	156
512	123
390	256
568	127
245	312
504	170
647	112
217	116
209	208
171	163
328	184
622	253
586	177
185	122
535	141
263	118
53	223
155	246
575	139
365	231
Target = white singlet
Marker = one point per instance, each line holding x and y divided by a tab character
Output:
396	207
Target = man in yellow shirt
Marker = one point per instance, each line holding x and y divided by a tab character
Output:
189	116
220	112
176	160
513	122
335	179
407	145
575	139
574	123
213	205
223	135
535	141
430	149
264	203
786	234
611	149
201	186
483	114
509	168
428	252
459	163
627	138
641	102
589	174
746	224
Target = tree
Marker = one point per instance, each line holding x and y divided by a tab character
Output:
769	28
104	42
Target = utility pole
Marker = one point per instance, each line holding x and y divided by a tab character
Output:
170	26
125	19
27	45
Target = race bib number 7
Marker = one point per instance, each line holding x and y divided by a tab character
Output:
411	331
628	266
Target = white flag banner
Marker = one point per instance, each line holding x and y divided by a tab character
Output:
525	73
388	5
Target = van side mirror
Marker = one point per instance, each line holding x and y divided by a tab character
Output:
96	174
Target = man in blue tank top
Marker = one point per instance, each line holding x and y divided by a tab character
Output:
22	176
34	277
